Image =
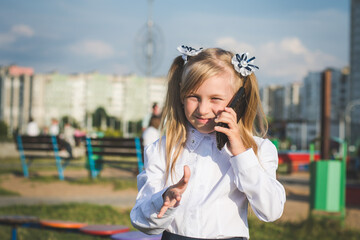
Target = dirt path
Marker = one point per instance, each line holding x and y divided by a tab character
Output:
59	189
56	192
35	192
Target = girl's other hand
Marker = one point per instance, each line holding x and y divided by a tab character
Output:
235	144
172	195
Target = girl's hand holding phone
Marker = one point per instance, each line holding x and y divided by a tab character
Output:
235	144
172	195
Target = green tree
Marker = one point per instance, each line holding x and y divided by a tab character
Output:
71	120
99	117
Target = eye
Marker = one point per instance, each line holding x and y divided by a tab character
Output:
193	97
217	99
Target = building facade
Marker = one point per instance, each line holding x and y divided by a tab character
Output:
311	104
77	96
16	96
272	101
294	110
354	115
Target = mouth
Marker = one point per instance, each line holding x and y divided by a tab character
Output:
203	120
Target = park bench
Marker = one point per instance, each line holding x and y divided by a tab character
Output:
37	147
113	152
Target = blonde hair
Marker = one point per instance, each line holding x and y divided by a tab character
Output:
187	78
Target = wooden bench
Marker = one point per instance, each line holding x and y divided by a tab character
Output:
31	148
108	150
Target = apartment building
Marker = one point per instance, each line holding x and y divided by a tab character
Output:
16	84
77	96
355	70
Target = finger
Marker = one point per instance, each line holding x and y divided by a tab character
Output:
228	110
162	211
185	179
227	119
169	202
176	199
224	130
187	174
172	196
164	207
175	196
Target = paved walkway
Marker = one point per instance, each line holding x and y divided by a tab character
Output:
296	207
297	184
126	201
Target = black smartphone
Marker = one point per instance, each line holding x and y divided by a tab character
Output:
238	103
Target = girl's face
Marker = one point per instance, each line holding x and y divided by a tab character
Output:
210	99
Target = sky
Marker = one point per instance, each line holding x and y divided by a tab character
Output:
288	38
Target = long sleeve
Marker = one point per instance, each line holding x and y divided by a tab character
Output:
149	199
215	203
255	175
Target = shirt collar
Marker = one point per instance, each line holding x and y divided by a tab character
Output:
194	137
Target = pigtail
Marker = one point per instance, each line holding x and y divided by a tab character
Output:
173	122
254	121
186	78
260	126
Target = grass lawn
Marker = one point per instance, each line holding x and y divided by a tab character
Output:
309	229
91	214
323	229
4	192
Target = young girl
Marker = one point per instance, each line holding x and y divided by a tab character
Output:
190	189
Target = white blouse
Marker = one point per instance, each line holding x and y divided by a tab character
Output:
221	186
150	135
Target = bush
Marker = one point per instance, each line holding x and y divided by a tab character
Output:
3	130
112	133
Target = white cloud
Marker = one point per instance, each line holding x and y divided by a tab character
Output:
293	45
22	30
231	44
287	59
92	48
17	31
290	59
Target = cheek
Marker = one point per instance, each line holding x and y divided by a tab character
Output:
189	106
218	108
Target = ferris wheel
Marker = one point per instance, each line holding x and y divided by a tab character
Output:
149	46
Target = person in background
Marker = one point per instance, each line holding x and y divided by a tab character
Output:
32	128
155	111
69	134
152	133
54	127
67	140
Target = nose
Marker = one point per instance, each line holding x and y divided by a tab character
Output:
203	108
